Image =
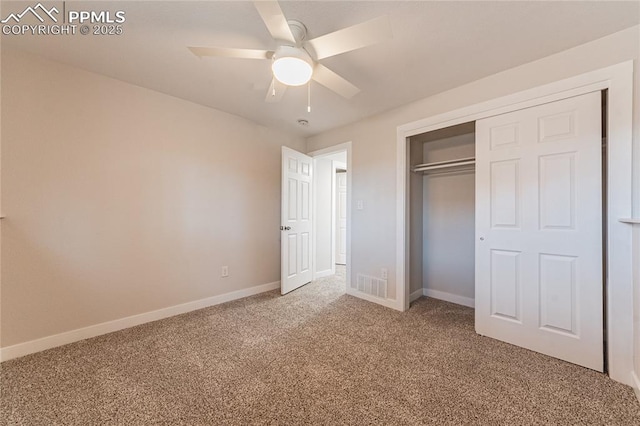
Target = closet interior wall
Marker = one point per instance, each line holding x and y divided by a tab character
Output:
442	214
416	219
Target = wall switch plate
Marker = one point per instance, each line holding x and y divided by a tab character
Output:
360	205
224	271
384	273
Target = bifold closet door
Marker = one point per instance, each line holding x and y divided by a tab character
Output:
539	281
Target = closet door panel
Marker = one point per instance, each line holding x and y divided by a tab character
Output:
505	194
505	285
539	229
558	294
557	191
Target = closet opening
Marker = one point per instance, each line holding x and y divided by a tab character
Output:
442	214
508	216
553	218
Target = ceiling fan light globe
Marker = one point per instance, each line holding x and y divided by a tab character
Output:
292	71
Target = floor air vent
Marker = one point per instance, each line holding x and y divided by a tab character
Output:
372	285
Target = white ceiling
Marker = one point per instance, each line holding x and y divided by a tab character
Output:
436	46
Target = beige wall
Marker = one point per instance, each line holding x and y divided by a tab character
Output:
121	200
374	143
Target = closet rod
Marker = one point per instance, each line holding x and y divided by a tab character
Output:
444	164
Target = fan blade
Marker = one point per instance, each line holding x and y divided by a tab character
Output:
231	52
279	91
352	38
333	81
275	20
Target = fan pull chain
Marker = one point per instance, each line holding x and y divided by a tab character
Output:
309	96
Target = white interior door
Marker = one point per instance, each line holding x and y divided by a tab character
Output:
341	218
297	173
539	257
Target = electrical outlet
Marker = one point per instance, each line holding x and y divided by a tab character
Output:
224	272
384	273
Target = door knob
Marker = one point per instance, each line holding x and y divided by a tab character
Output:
481	238
285	228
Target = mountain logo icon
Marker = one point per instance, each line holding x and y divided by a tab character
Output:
38	11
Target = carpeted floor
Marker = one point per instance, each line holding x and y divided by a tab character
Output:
315	356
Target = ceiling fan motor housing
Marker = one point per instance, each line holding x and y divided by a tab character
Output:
298	30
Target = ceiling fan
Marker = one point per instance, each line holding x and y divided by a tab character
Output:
295	60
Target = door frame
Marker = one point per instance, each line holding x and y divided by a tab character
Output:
334	210
321	153
618	80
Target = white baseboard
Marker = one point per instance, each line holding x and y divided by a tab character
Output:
448	297
389	303
636	384
26	348
416	295
325	273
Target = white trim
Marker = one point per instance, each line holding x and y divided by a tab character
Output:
32	346
314	225
416	295
333	216
335	165
388	303
325	273
346	146
618	79
349	210
635	384
630	220
340	165
449	297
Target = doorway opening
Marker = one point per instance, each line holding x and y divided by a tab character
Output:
331	196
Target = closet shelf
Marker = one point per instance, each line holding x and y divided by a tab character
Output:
445	166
